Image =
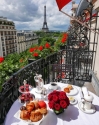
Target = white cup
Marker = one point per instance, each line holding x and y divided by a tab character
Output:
53	85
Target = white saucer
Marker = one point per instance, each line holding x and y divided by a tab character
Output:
51	88
88	111
74	102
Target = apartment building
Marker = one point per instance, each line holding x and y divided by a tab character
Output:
25	39
8	42
20	42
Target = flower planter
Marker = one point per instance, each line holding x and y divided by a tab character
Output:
31	60
62	47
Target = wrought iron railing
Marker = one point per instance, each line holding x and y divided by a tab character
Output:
10	88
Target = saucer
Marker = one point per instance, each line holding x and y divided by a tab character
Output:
51	88
88	111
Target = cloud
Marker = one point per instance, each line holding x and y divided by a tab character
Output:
29	14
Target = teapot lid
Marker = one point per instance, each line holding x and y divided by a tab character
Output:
88	97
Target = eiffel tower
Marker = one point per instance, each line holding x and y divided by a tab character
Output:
45	27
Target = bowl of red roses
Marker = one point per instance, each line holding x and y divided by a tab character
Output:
58	101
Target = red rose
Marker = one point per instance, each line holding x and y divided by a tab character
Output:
63	103
57	106
47	45
67	101
55	98
35	54
50	97
51	104
1	59
62	95
40	48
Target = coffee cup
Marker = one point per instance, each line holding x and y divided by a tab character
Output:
53	85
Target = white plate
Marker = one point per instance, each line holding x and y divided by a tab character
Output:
88	111
30	88
74	91
17	115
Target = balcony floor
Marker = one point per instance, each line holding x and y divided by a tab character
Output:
90	87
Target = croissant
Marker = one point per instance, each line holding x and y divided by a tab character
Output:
25	115
30	106
35	116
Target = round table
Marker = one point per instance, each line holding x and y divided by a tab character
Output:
72	115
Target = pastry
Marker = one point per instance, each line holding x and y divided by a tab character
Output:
25	115
43	111
70	87
30	106
35	116
67	90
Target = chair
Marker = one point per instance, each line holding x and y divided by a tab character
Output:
61	72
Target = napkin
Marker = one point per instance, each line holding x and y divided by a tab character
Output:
84	91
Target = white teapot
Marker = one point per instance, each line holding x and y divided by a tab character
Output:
88	99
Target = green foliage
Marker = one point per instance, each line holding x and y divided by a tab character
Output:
14	62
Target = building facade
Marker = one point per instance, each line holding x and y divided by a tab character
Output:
25	39
8	42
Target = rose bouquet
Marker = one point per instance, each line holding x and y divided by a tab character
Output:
58	101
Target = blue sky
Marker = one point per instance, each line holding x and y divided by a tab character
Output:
29	14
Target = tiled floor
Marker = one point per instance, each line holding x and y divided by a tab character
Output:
89	87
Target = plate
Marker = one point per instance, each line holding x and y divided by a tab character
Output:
30	88
74	91
88	111
17	115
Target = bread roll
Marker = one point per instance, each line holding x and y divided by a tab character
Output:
25	115
30	106
35	116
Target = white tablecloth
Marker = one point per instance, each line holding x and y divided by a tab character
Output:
72	115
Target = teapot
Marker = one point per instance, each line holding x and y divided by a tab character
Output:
88	99
39	81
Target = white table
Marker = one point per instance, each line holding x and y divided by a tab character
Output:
72	115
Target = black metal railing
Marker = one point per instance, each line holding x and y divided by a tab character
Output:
10	88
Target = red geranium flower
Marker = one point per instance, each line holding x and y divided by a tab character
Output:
1	59
35	54
47	45
40	48
31	50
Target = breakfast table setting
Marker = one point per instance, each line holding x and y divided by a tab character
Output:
56	103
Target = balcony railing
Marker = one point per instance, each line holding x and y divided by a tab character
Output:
10	91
